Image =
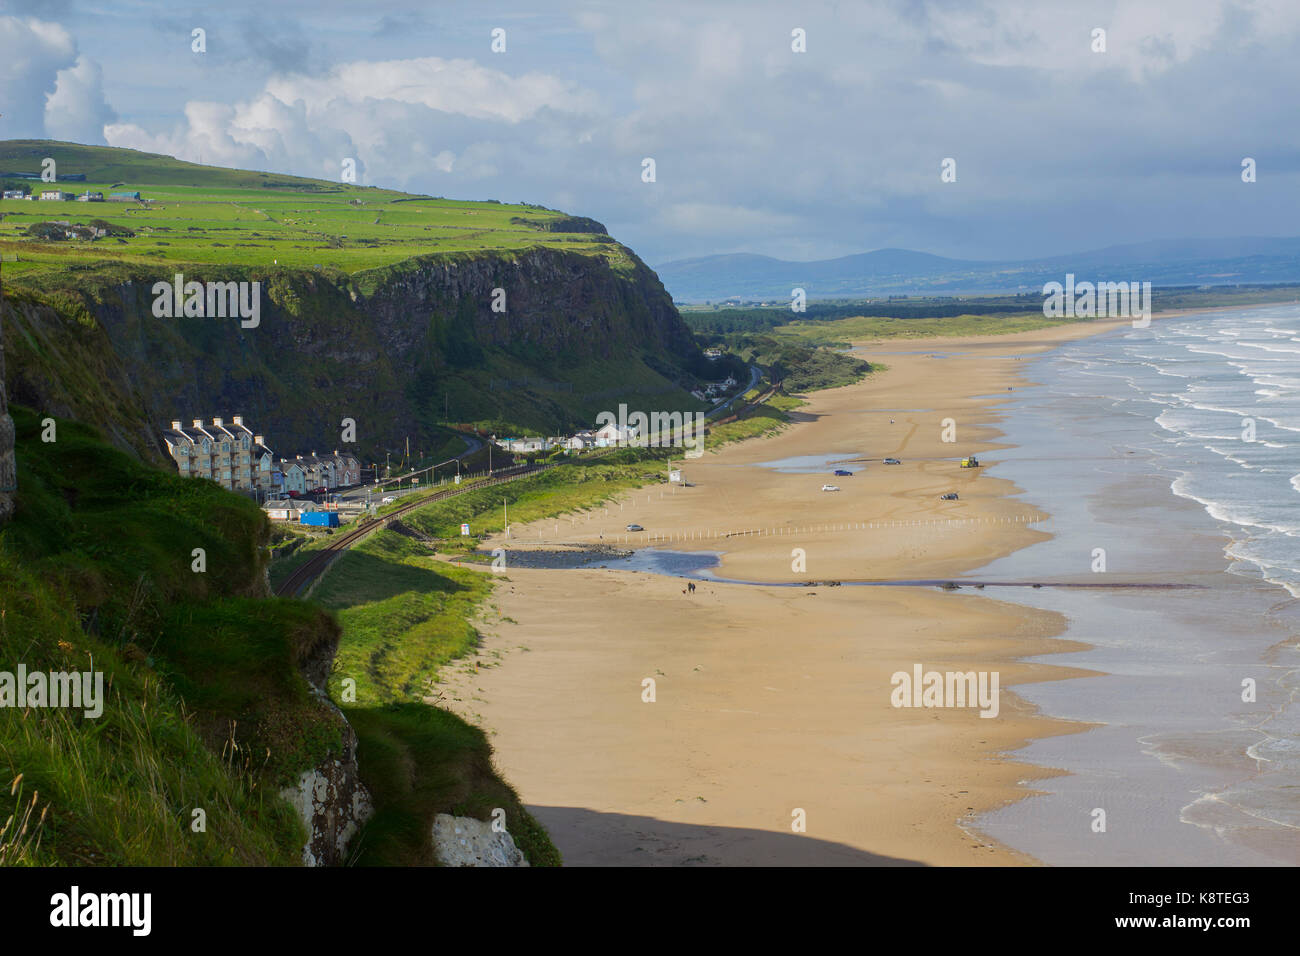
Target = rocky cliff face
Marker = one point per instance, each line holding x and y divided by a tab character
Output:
389	349
331	802
465	841
330	798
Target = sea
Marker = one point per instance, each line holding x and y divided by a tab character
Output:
1164	454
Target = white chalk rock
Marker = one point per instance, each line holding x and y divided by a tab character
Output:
464	841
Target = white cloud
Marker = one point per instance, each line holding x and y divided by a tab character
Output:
405	122
448	86
76	110
32	52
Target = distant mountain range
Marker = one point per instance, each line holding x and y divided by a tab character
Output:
1162	262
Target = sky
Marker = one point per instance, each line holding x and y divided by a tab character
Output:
1058	146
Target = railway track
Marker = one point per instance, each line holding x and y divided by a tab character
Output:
315	566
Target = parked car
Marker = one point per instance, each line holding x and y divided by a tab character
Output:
387	500
843	473
830	487
295	494
635	527
892	461
950	496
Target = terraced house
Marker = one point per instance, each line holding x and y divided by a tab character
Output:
231	455
305	473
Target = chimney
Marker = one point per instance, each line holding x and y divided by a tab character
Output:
238	419
257	439
176	426
336	452
216	422
198	423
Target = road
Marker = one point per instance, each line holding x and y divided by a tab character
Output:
754	375
473	442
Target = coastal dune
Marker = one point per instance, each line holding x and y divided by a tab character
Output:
772	737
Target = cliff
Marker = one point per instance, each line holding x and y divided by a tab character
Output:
395	349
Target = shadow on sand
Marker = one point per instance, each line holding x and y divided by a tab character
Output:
589	838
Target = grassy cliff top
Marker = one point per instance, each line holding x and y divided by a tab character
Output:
207	214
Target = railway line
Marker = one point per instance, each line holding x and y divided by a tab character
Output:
315	566
311	569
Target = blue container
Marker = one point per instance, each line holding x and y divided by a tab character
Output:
324	519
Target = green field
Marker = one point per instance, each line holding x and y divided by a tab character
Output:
203	214
837	332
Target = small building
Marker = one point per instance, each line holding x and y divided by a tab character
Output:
295	475
347	470
612	434
522	446
14	194
90	197
124	197
55	195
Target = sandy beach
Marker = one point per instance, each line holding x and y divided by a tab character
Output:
772	705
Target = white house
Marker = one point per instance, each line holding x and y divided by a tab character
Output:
612	434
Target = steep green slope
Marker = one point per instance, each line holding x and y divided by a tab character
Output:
205	707
206	704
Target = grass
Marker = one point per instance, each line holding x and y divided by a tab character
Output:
419	761
205	708
203	214
837	332
767	418
403	616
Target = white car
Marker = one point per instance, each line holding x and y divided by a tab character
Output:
387	500
830	487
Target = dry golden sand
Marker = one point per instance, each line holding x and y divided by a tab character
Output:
773	700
